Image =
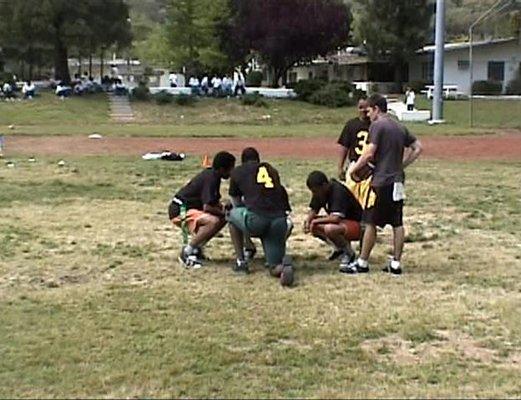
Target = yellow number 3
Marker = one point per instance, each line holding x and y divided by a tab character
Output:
264	178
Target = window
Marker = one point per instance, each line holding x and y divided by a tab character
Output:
496	71
463	65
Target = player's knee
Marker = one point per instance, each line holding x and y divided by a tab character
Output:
331	230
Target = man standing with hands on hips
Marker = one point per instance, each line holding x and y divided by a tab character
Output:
387	142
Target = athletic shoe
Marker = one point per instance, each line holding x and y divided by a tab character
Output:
391	270
249	254
335	254
241	266
198	252
190	260
276	271
287	275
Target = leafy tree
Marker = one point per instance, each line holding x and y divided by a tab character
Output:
60	27
191	33
284	32
393	28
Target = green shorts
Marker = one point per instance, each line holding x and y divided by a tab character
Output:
271	230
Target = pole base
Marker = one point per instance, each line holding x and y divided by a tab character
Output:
436	121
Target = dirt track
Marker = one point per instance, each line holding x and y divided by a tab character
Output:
493	147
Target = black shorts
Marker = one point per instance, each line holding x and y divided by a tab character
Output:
385	210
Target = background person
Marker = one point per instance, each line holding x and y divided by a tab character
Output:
28	90
410	98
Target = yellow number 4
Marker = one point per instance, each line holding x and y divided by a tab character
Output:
264	178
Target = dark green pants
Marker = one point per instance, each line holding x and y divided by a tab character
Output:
271	231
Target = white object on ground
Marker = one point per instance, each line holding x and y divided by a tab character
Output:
61	163
95	136
399	109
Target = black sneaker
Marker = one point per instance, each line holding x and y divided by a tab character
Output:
249	254
347	264
335	254
390	270
190	260
241	266
287	275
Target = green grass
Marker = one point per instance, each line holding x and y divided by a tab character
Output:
47	115
94	304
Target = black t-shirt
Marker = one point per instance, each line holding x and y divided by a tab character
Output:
203	189
340	201
258	184
354	137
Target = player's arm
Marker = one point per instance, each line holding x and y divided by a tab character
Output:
364	159
214	209
312	214
342	155
328	219
416	149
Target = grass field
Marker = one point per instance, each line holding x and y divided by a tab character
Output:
95	305
48	115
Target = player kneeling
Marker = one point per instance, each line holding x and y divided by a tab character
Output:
260	208
197	210
341	225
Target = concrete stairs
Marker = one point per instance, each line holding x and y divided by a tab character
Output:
120	109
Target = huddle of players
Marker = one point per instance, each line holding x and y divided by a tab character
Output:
260	206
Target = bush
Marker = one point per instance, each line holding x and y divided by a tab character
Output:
163	97
487	88
337	94
254	99
185	100
514	86
305	88
254	78
140	93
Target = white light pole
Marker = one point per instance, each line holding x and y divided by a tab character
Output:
437	103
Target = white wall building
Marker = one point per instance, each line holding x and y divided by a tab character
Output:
494	60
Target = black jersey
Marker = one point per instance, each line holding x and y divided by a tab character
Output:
340	201
258	184
203	189
354	137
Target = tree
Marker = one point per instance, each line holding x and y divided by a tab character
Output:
191	33
60	27
284	32
393	29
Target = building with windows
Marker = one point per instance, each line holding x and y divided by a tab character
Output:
495	60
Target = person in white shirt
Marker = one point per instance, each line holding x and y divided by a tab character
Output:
204	85
410	97
217	86
239	82
172	78
8	91
63	90
28	90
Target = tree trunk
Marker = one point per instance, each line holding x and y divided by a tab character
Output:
90	64
61	62
102	55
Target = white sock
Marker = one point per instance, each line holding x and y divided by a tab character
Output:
362	262
395	264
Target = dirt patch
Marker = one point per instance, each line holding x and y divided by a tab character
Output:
493	147
404	352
